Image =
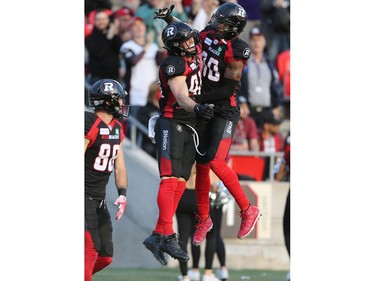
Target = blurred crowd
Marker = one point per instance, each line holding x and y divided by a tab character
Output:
123	42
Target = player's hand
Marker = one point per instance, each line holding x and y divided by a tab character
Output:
121	202
206	111
164	12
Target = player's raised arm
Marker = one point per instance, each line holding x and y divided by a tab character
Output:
165	14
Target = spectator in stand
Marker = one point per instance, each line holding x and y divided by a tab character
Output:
270	139
260	81
283	68
276	26
133	5
92	5
145	113
139	54
253	17
205	10
103	48
246	134
125	17
188	6
147	13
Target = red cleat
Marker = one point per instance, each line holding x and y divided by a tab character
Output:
248	221
203	226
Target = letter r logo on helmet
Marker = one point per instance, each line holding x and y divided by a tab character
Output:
241	12
108	87
170	31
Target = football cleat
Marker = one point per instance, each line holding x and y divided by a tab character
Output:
152	243
248	221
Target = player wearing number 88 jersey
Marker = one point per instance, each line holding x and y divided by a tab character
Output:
224	56
103	155
102	151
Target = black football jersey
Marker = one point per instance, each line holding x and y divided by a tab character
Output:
216	54
173	66
105	141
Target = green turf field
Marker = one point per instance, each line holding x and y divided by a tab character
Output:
166	274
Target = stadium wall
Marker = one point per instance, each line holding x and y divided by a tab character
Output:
264	249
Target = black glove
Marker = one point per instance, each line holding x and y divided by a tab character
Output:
163	13
206	111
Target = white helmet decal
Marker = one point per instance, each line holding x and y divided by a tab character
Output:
108	87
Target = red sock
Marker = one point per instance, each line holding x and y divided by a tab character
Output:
90	256
166	197
101	262
181	185
230	180
202	190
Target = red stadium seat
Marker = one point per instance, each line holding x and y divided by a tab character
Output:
252	166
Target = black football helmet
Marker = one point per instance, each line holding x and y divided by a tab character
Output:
229	20
175	34
106	94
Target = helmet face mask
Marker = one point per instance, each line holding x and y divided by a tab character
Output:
229	20
176	37
109	95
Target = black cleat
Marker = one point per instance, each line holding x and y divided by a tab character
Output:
153	243
169	244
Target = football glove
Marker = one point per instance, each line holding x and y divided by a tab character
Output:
121	202
164	12
206	111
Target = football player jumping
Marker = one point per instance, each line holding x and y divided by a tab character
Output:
224	56
175	134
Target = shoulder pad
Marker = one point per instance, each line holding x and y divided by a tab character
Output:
90	119
241	49
173	66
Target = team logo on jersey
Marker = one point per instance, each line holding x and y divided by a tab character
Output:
117	131
179	128
104	131
246	53
216	52
208	41
193	66
170	69
215	41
